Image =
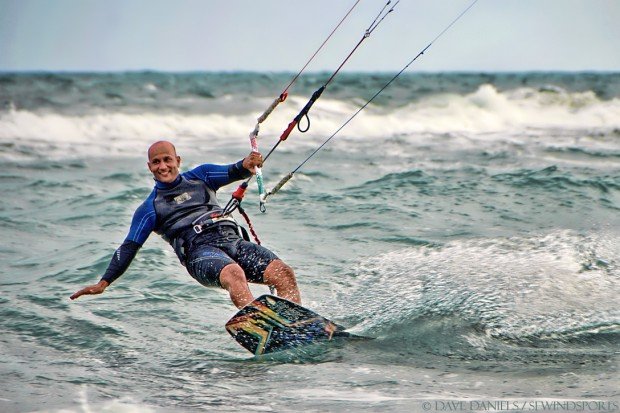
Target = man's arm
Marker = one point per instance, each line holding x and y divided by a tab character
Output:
118	265
142	225
217	176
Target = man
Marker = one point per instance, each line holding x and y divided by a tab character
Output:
183	209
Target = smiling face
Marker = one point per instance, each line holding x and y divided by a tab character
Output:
164	162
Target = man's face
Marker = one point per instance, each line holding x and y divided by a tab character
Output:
163	162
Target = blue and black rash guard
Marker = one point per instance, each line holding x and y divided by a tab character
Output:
170	209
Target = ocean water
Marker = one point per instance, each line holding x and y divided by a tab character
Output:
469	222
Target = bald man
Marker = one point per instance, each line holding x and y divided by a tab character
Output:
183	209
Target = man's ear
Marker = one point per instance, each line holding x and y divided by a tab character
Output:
179	160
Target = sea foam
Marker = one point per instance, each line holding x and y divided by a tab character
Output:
486	111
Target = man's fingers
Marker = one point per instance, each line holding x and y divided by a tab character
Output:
81	293
257	159
88	290
76	295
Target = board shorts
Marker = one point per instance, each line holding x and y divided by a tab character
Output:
218	247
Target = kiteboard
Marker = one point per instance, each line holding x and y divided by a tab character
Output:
269	324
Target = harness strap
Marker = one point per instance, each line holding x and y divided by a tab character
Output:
209	222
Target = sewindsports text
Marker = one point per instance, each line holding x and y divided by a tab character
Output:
521	405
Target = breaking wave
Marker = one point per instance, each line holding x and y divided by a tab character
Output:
121	114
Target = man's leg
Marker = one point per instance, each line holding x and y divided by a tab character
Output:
264	267
232	279
213	267
282	277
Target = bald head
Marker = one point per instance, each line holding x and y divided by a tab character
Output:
163	161
160	147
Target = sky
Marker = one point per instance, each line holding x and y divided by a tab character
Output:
280	35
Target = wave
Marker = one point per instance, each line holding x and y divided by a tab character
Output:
487	113
478	298
552	179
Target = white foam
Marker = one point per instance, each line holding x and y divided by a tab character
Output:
484	114
515	287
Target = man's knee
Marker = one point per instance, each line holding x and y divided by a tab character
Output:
232	276
232	279
282	277
278	272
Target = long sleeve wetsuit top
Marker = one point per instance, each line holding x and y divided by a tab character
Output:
206	179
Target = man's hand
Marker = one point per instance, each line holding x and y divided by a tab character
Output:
253	160
91	289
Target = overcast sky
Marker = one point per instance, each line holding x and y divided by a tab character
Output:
280	35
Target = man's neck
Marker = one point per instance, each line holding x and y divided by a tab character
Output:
165	185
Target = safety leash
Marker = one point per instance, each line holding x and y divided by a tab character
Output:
238	196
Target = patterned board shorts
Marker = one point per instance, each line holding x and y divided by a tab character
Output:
220	246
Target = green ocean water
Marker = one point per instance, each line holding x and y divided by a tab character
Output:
469	222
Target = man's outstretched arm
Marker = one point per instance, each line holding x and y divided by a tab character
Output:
142	225
118	265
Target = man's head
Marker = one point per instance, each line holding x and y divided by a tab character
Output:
163	161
